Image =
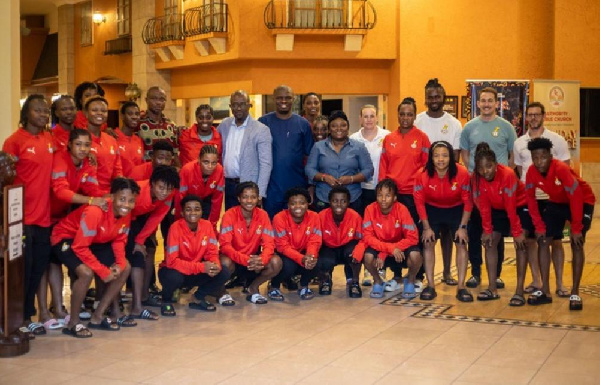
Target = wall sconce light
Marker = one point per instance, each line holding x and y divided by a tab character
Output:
133	92
98	18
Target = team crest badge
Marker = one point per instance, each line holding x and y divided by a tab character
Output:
414	144
308	230
557	182
496	131
65	247
259	230
84	178
445	129
204	241
351	232
213	184
453	188
112	150
50	149
397	224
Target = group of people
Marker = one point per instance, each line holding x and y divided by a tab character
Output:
301	196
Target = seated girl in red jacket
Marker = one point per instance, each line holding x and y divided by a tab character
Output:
298	240
390	239
91	241
570	199
73	183
247	242
341	228
500	196
191	259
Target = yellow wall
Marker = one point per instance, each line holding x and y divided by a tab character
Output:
90	62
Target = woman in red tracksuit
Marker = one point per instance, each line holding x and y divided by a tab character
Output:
91	241
443	200
204	178
73	183
104	146
342	229
248	242
131	148
191	259
570	198
298	239
500	196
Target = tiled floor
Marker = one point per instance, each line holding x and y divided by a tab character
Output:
330	340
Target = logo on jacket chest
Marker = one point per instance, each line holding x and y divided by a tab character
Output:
308	230
453	188
397	224
204	241
259	230
414	144
213	184
351	232
557	182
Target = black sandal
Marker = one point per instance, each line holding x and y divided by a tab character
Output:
428	294
203	305
354	290
450	281
153	301
539	298
77	331
325	288
105	324
487	295
147	315
126	321
463	295
517	300
575	302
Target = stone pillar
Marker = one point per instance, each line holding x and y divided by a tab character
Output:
66	49
144	71
10	66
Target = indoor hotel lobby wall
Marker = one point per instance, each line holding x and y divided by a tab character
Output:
10	67
90	61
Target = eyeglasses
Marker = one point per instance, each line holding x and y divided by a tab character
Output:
534	115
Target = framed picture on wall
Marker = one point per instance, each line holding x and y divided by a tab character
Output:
451	105
465	107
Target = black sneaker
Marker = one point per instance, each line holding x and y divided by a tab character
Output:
473	282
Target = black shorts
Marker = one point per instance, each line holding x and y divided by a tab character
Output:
342	255
501	223
444	218
390	261
557	214
102	251
138	259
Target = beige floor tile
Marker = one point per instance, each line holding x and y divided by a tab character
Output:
425	368
262	349
567	365
283	370
8	368
480	328
77	363
532	346
483	374
311	355
129	370
517	359
533	333
582	337
395	379
428	324
587	350
221	362
379	345
188	376
554	378
244	379
479	341
450	353
382	361
91	380
41	376
399	333
331	375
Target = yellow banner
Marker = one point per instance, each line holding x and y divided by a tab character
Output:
561	99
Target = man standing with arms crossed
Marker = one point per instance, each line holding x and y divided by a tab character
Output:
500	135
440	125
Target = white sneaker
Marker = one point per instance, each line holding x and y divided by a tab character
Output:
418	286
382	274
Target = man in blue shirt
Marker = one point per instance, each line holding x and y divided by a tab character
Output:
500	135
292	142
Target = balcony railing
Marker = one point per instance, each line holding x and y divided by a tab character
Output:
164	28
320	14
118	46
205	19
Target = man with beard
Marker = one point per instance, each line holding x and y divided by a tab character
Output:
500	135
292	142
153	125
440	125
246	149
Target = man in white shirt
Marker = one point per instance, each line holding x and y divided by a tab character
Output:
535	114
372	136
440	125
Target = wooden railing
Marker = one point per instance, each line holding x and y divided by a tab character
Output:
320	14
205	19
118	46
164	28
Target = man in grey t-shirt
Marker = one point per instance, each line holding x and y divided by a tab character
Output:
500	135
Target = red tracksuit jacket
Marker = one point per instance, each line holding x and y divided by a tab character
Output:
88	225
291	239
192	183
157	209
441	192
385	233
187	249
506	192
562	186
238	241
348	230
109	166
190	144
131	151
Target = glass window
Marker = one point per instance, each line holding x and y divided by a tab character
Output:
86	24
123	17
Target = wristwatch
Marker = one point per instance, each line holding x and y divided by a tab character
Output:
463	227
